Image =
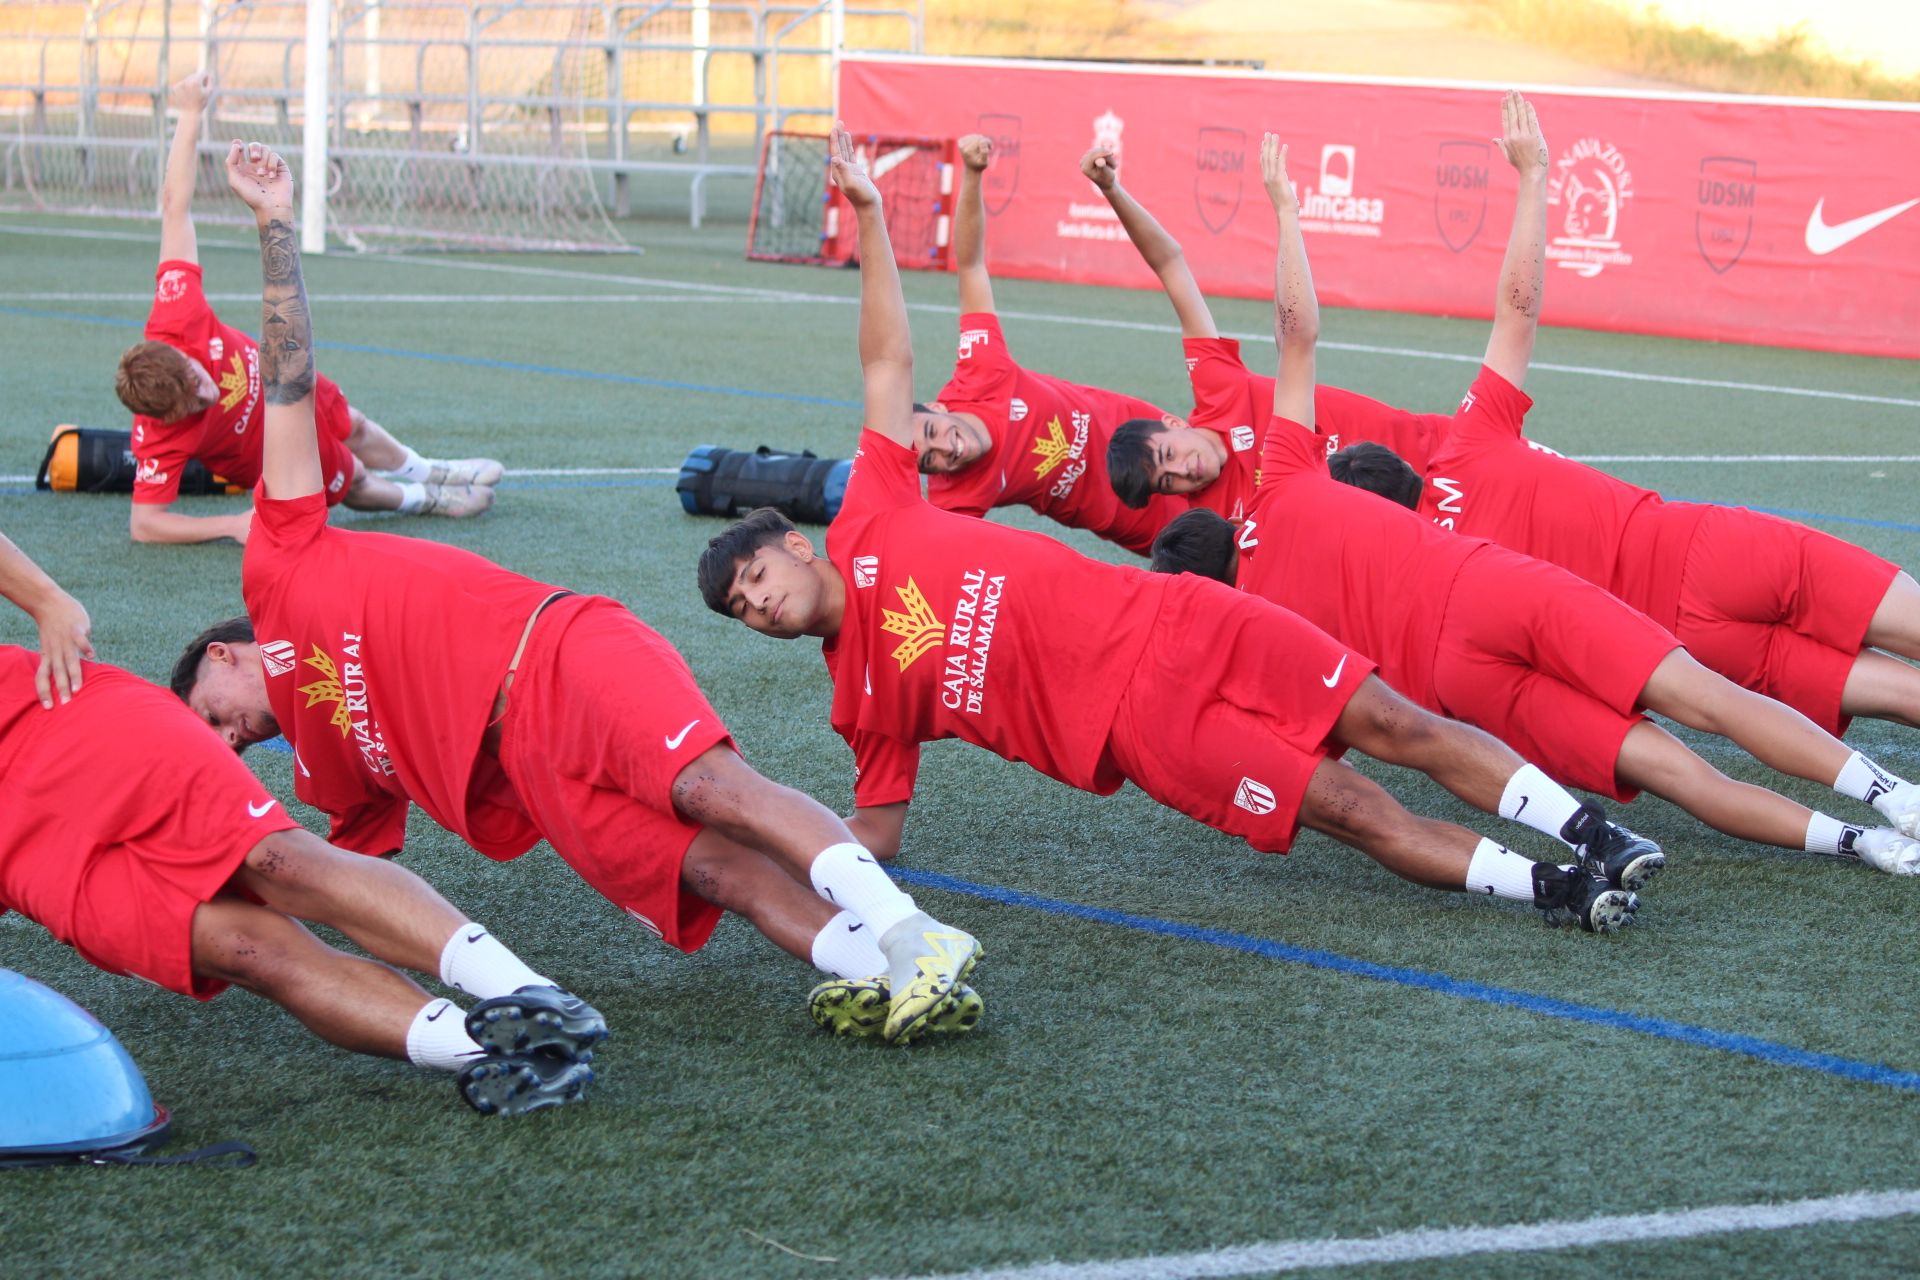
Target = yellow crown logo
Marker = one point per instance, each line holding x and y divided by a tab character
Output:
234	382
1052	448
327	689
920	629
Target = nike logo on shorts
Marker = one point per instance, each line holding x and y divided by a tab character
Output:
259	810
673	743
1334	679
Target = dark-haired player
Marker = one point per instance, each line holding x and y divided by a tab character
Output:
1776	607
132	834
999	435
402	671
193	386
1217	704
1552	665
1211	459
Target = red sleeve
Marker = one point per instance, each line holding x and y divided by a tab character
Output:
885	475
376	828
884	769
1493	408
972	492
159	456
1221	399
983	368
179	303
286	524
1290	449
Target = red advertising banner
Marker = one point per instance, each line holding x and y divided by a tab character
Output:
1739	219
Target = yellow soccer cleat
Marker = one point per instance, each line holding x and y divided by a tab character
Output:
857	1008
926	960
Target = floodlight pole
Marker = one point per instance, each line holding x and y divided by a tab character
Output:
313	135
836	44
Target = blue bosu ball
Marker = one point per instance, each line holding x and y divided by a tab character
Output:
66	1085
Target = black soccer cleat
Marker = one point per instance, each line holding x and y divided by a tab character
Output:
1627	859
1582	894
1587	821
535	1018
515	1084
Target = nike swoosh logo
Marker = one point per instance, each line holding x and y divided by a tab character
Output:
475	937
673	743
1823	239
435	1017
259	810
855	928
1334	679
869	861
1522	809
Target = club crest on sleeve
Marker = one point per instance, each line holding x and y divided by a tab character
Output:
866	570
172	286
1242	438
970	338
279	656
1017	410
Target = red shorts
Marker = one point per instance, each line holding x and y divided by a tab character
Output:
1228	713
602	717
1779	608
333	424
120	813
1548	663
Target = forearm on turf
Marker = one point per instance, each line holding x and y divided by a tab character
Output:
880	828
161	525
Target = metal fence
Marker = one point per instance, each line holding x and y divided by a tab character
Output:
524	121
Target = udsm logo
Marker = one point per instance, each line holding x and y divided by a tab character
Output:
1727	191
1460	177
1219	162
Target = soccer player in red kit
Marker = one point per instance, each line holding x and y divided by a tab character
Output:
193	385
1552	665
132	834
402	671
1211	459
999	435
1776	607
1217	704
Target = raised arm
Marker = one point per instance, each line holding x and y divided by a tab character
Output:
1296	312
62	620
970	226
1516	309
290	463
886	343
189	97
1160	250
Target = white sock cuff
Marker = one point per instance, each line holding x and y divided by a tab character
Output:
1862	779
1500	872
1824	834
413	467
412	498
1532	797
437	1037
476	962
849	877
848	948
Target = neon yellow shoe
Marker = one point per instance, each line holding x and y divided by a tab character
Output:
926	960
857	1008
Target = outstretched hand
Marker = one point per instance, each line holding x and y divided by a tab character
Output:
189	96
976	150
847	172
1101	167
64	631
1521	139
259	176
1273	172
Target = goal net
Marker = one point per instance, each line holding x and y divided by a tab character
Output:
799	217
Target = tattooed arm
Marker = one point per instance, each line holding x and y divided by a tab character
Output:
290	467
1296	311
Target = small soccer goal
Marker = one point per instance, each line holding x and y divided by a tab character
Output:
798	217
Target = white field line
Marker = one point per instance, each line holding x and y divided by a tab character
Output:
567	298
512	472
1139	326
1746	457
1456	1242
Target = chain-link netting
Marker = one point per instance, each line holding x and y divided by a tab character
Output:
797	218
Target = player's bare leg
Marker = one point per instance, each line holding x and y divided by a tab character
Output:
1882	687
1489	775
926	960
1896	623
1776	735
1353	809
374	445
370	492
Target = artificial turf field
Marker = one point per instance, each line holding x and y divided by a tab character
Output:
1189	1046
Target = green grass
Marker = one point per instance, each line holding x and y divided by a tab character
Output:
1129	1094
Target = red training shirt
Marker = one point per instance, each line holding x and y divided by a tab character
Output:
1049	443
383	656
1490	481
956	628
1236	402
1364	569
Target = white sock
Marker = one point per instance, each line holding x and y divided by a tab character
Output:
1829	835
1540	802
848	948
850	878
412	498
1862	779
438	1038
476	962
414	467
1500	872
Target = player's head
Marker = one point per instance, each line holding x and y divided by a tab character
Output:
221	677
1197	541
1161	455
766	573
159	381
946	442
1377	469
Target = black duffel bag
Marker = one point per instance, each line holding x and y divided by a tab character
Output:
716	481
92	460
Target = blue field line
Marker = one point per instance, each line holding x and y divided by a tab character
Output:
1439	983
1787	514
